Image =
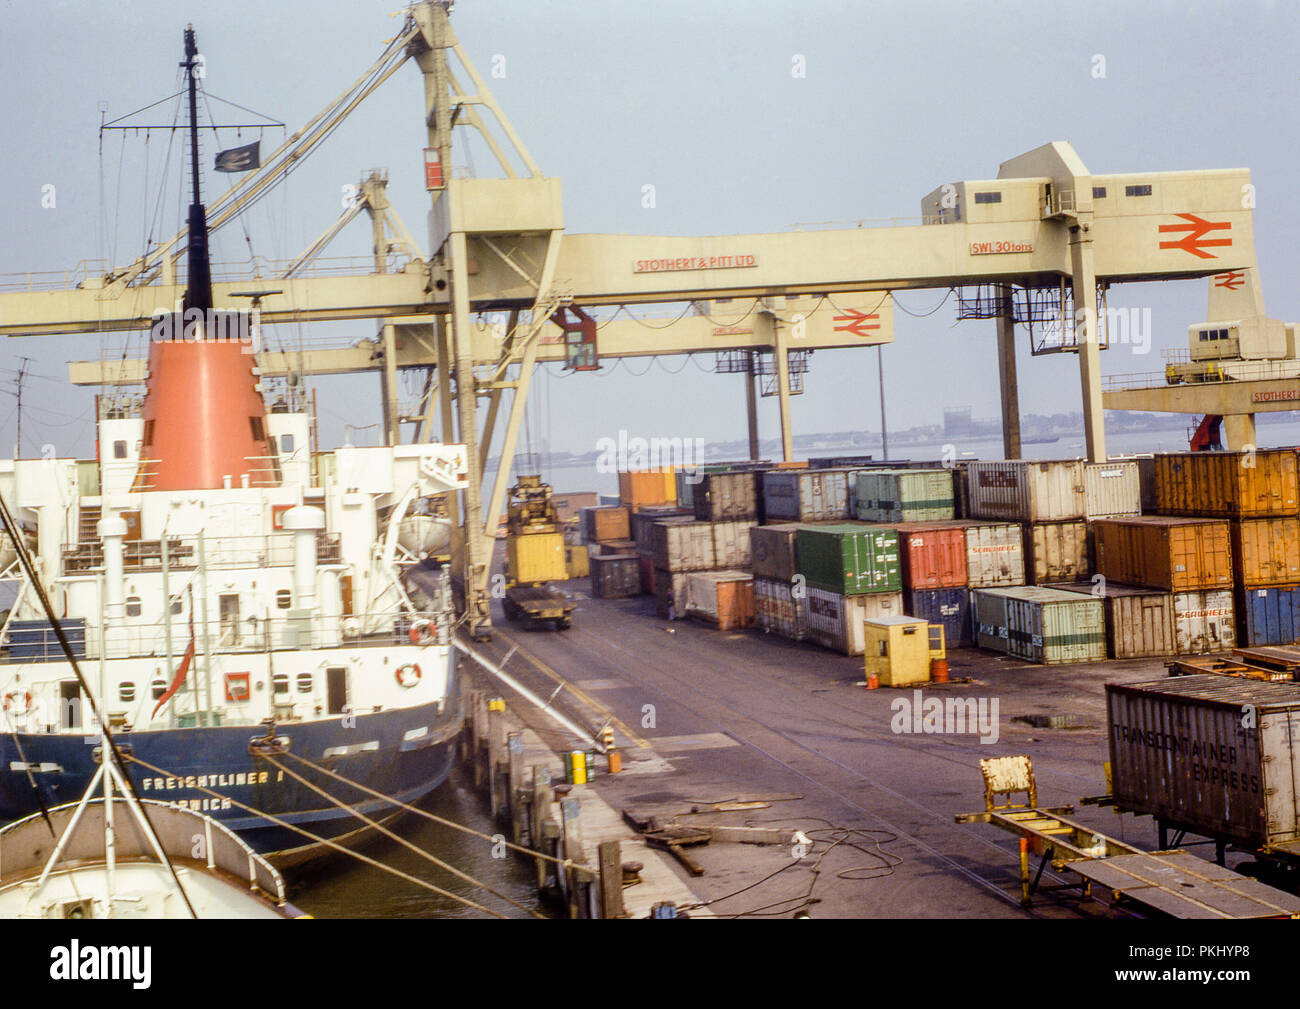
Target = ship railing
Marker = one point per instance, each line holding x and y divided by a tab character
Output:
268	551
54	280
283	630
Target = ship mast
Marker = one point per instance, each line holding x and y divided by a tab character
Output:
198	293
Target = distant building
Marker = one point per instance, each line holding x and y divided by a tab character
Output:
956	422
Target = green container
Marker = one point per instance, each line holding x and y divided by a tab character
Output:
905	495
849	559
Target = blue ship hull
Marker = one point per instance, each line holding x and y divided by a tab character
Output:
378	751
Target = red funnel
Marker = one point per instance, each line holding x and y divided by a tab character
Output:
204	419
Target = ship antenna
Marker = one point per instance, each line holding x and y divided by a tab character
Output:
198	293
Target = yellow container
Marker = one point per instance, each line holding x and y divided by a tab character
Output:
577	561
897	650
536	557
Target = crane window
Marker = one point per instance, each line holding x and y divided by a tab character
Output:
1098	192
995	197
1137	190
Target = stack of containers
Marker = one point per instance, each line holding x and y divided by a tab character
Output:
850	573
725	507
934	570
1190	558
1257	493
1049	500
643	521
779	607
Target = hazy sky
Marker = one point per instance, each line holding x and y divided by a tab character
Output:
695	98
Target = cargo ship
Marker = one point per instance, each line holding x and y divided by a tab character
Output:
236	602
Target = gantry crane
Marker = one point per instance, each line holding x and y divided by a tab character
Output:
1045	226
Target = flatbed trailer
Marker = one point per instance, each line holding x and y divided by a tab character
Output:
535	604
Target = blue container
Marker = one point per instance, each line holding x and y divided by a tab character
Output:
35	640
1268	616
949	607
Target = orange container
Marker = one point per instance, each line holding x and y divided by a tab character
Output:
933	554
1162	552
1227	484
792	464
643	488
1266	552
722	598
600	525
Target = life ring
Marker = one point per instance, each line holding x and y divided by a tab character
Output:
421	632
10	698
408	675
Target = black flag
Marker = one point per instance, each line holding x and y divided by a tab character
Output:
239	159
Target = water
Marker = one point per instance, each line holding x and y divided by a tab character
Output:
343	887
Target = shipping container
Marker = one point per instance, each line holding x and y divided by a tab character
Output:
1024	491
1111	489
849	559
1056	552
947	607
1181	750
1256	484
684	547
1268	616
536	557
897	651
1139	622
1203	622
1043	625
724	599
806	496
995	554
778	610
932	555
1163	552
731	544
1266	552
640	488
615	576
728	497
670	587
643	520
835	621
1146	465
904	495
988	613
961	490
773	551
609	547
606	523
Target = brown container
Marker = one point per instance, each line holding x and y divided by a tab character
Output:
1234	485
773	551
647	564
724	599
1163	552
932	554
1056	552
1266	552
599	525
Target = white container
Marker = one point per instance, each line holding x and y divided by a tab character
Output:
687	546
731	544
1043	625
835	621
1204	622
1023	491
995	554
1112	489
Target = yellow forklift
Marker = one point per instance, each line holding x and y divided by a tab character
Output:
535	556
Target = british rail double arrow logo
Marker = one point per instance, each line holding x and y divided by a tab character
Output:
857	322
1231	280
1194	241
